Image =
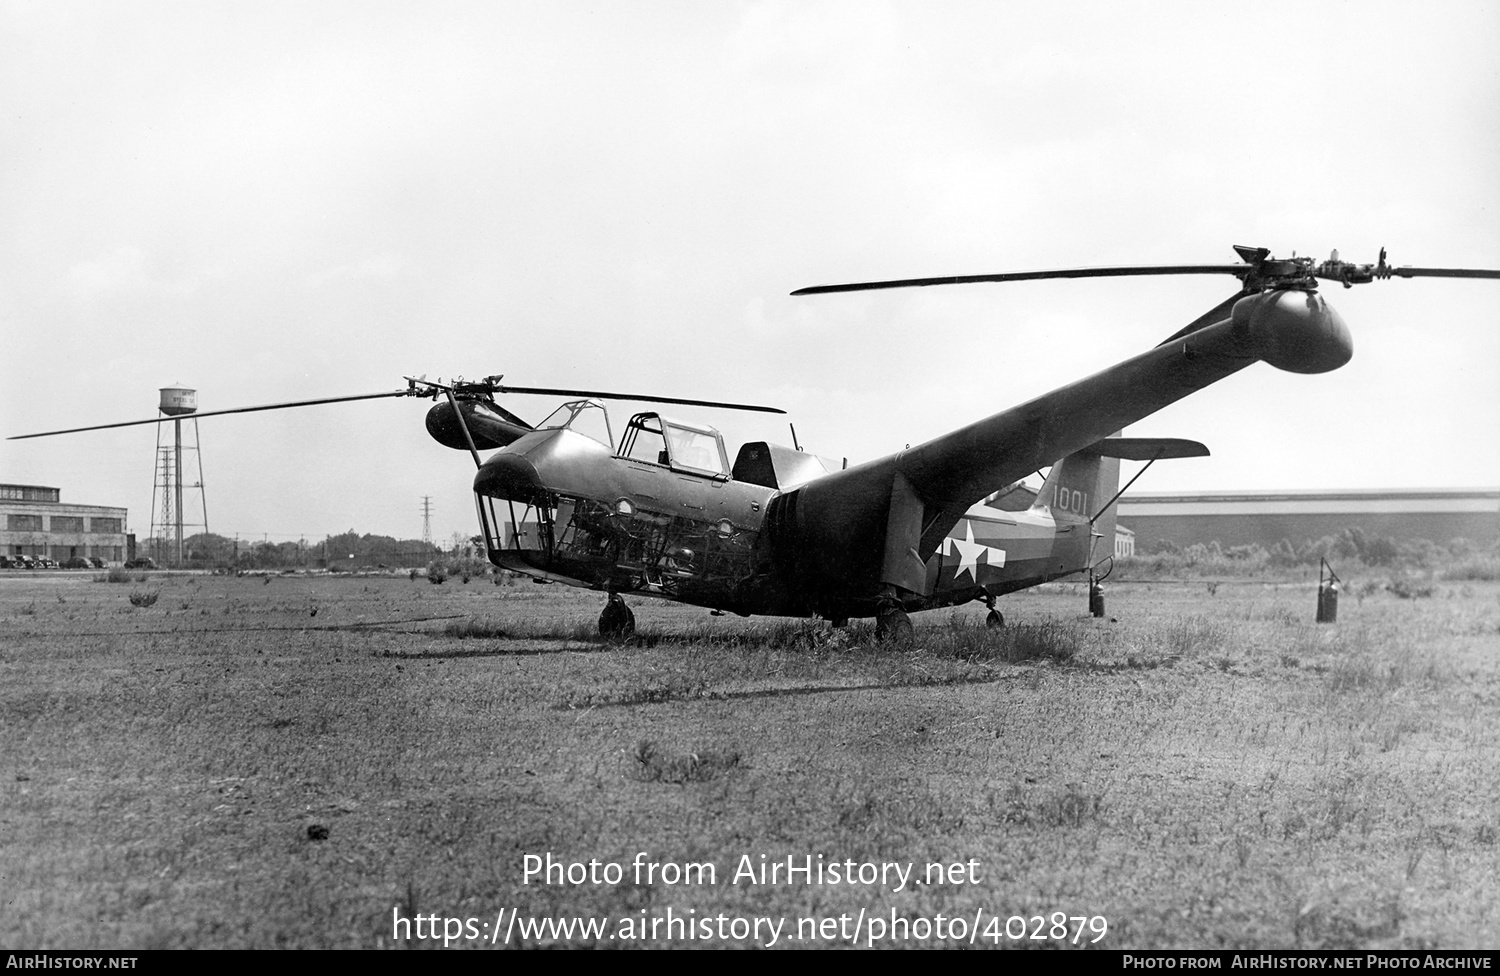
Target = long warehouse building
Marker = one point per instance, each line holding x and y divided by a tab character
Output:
1264	518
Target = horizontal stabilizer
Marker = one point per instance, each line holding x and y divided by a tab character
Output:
1146	448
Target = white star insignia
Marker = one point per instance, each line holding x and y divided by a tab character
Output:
969	551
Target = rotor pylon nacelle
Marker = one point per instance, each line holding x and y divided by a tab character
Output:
490	426
1295	330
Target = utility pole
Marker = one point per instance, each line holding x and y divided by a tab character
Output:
427	520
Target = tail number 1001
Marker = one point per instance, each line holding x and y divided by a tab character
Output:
1070	500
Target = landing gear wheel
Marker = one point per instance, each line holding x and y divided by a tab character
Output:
892	624
995	619
616	621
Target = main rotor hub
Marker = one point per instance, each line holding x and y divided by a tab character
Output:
1303	273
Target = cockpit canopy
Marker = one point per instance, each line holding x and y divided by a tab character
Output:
649	437
587	417
692	448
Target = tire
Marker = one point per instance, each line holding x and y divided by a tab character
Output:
893	625
616	621
995	620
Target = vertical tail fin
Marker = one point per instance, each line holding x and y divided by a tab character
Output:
1077	487
1081	485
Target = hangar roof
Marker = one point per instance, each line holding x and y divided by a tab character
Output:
1312	502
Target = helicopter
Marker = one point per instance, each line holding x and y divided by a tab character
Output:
656	508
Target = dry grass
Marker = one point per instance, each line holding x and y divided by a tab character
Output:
1211	770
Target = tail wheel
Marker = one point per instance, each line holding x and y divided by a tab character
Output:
994	620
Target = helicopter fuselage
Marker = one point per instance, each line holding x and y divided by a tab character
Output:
559	505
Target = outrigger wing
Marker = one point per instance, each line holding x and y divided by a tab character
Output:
873	525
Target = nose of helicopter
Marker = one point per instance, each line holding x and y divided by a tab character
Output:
511	476
545	462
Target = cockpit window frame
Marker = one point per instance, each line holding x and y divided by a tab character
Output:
634	428
663	428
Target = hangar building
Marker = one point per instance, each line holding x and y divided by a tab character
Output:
35	522
1237	518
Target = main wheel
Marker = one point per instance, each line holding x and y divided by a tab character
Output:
994	620
616	620
892	624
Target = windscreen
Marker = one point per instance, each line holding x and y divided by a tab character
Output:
695	449
587	417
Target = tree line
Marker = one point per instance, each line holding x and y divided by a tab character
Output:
346	551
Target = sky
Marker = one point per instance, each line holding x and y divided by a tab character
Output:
279	201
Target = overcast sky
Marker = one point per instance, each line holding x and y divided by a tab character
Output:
278	201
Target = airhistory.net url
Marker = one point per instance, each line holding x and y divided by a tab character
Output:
510	927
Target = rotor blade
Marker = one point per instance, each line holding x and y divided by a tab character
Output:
1239	270
1407	272
547	391
215	413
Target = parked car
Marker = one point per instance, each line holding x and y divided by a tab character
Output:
45	562
96	562
77	562
145	562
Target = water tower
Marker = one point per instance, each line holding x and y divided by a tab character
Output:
168	505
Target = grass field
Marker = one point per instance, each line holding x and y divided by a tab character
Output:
299	761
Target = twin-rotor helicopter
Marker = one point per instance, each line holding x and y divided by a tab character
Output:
656	507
